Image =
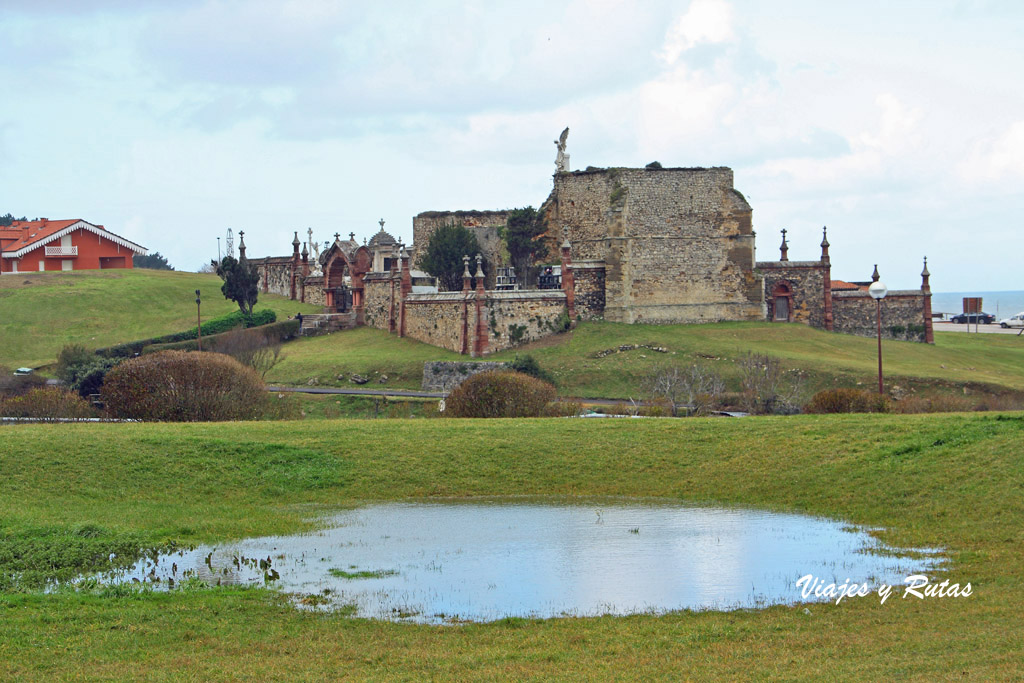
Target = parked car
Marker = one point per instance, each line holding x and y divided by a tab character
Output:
1015	321
983	318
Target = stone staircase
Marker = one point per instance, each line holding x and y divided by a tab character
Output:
323	323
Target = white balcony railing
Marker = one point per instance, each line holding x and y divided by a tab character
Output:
62	251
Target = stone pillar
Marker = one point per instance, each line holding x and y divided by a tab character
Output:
305	273
826	264
784	249
294	267
406	288
358	298
467	279
568	280
926	293
480	338
241	245
266	276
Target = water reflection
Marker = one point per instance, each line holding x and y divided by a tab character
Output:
434	562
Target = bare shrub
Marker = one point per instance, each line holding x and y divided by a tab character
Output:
564	409
18	385
766	388
695	388
179	386
251	349
499	394
848	401
47	404
942	403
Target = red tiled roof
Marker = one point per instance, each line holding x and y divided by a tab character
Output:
842	285
28	233
33	231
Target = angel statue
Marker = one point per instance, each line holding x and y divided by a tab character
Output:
562	160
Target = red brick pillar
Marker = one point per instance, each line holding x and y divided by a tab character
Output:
480	340
827	274
406	288
305	274
926	293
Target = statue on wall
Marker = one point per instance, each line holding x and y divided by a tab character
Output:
562	160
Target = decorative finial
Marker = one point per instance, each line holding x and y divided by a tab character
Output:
337	236
479	266
875	275
824	237
296	240
381	221
925	273
465	266
565	237
785	247
352	237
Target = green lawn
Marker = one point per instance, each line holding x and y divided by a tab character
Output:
823	358
71	493
41	312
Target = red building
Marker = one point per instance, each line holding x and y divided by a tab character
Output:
32	246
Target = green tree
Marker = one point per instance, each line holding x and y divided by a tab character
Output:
8	219
523	234
241	282
443	258
154	261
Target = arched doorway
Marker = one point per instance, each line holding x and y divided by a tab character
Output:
782	303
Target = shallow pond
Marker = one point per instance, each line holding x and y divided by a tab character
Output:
437	562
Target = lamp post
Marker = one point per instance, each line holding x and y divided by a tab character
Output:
218	250
199	324
878	291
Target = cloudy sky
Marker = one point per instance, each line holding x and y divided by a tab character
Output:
900	125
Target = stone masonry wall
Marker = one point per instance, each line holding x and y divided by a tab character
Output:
588	289
902	314
437	319
483	224
275	274
515	318
806	280
443	376
315	290
377	299
677	243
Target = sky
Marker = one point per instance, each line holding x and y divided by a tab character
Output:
899	125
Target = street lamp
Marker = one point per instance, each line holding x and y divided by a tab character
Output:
199	324
878	291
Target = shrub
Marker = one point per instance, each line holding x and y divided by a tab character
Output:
847	401
528	365
499	394
82	370
71	357
695	388
47	403
765	388
210	327
274	333
179	386
17	385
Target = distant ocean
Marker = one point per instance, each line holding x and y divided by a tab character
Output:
1000	304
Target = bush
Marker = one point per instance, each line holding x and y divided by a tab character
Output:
696	388
210	327
847	401
499	394
178	386
82	370
765	388
274	333
528	365
47	403
17	385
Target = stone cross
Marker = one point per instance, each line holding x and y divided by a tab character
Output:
352	236
381	221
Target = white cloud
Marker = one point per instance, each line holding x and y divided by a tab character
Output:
706	21
996	159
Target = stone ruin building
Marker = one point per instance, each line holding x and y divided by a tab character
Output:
633	245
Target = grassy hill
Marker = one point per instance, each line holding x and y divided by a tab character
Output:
41	312
947	481
823	358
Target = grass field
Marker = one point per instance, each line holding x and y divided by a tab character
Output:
823	358
71	493
41	312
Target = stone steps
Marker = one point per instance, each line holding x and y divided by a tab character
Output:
322	323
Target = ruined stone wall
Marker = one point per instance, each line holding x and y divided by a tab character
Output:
377	299
443	376
677	243
515	318
902	314
483	224
806	280
588	289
